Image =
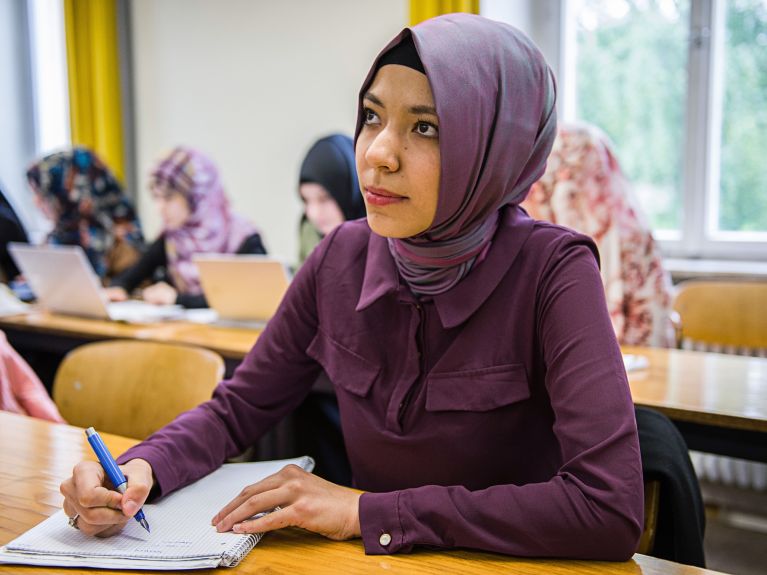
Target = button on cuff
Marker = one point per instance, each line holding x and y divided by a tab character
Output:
384	539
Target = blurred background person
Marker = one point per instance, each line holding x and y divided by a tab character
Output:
329	190
584	189
11	230
87	207
196	218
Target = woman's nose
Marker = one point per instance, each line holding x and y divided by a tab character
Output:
383	151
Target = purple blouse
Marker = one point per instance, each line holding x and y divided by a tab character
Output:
495	416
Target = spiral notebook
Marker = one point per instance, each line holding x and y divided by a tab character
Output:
181	538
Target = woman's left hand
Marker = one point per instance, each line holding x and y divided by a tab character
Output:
160	294
304	500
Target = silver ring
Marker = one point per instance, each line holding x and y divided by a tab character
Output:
73	521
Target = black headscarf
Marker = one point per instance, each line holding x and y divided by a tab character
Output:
330	163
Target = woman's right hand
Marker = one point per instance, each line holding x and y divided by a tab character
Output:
100	510
116	294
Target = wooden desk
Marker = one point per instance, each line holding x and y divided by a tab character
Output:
36	455
66	332
718	401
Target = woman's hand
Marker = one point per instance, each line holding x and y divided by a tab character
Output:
160	294
304	500
116	294
100	510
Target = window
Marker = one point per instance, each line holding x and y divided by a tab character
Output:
680	86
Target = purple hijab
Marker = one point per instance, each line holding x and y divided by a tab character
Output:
212	227
495	98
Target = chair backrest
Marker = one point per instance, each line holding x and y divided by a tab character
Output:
651	505
725	313
133	388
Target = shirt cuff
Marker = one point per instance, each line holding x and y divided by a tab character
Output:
165	479
382	531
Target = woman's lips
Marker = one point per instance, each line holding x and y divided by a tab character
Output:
381	197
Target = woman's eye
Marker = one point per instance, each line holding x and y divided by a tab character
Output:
370	116
427	129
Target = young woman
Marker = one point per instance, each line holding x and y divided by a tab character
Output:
584	188
482	391
196	218
87	207
329	191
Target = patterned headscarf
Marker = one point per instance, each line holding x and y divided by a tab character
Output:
584	189
495	97
212	227
90	206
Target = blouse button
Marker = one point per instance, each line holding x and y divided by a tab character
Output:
384	539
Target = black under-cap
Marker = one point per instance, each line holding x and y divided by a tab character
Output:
403	54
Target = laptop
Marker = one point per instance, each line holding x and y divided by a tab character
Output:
244	290
64	282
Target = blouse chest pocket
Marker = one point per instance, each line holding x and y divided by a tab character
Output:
344	367
482	389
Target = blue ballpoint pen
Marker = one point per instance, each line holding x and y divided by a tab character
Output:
113	471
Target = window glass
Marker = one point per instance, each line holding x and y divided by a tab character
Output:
631	81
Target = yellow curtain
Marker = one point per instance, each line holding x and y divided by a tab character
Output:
94	79
421	10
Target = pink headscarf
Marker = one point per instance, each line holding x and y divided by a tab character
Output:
584	189
495	97
212	227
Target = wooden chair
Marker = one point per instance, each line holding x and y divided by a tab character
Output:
724	313
651	505
132	388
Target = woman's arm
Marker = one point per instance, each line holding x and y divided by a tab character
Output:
271	381
152	259
592	507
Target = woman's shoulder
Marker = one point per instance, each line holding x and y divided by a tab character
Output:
349	237
554	238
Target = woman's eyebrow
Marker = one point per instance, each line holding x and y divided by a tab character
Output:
421	109
373	98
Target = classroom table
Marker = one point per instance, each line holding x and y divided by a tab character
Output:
36	455
718	401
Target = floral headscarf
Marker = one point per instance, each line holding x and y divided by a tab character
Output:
584	189
91	210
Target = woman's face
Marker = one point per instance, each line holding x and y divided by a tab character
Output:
172	205
320	208
397	152
45	206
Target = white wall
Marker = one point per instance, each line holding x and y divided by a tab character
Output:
253	83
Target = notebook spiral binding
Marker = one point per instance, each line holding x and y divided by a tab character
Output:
232	558
237	554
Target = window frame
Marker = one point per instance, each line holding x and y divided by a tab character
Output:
698	237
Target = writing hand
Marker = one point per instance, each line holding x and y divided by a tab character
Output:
100	510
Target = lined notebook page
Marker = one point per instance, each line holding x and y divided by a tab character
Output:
180	524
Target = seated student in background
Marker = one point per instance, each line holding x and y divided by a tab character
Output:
196	218
329	191
85	203
584	189
21	391
482	391
11	230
